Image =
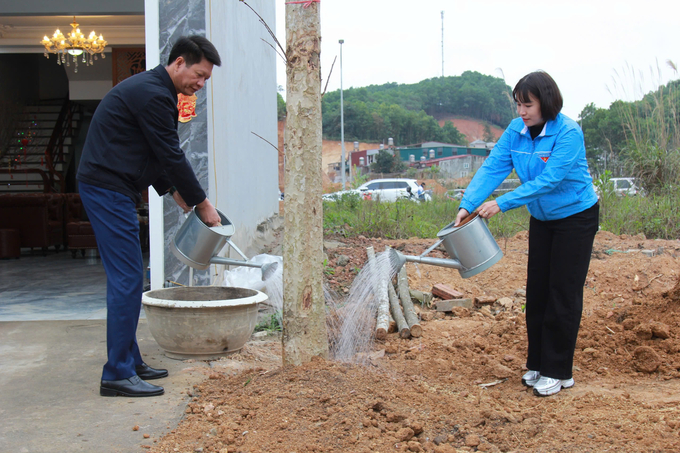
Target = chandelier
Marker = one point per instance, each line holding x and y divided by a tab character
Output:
75	44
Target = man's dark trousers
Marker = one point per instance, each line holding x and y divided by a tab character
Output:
114	220
559	257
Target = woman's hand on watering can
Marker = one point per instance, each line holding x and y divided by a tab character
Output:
462	213
208	214
488	209
180	202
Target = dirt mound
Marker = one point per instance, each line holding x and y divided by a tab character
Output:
471	128
457	388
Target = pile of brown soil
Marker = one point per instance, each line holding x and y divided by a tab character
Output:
457	388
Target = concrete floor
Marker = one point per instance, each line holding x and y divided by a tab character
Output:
52	349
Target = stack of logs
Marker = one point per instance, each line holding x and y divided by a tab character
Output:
395	308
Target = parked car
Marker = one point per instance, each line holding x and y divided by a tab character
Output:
391	189
623	187
626	186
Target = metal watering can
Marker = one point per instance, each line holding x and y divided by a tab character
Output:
470	243
197	245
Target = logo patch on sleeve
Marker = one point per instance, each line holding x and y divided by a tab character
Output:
545	158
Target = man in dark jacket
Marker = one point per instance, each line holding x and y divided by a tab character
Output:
132	143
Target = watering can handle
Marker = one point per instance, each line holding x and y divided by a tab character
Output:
432	248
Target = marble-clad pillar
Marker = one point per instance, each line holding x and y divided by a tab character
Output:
184	18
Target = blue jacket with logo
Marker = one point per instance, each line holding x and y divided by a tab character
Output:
552	168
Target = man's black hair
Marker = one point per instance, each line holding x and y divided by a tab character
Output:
193	49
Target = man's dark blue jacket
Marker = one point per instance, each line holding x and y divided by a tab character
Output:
132	142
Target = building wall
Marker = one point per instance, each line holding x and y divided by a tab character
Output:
238	170
243	99
69	7
439	152
355	158
90	82
461	166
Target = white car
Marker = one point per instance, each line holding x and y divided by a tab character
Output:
391	189
624	187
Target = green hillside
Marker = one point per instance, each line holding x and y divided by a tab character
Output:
408	112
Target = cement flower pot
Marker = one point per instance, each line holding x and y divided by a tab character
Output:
202	322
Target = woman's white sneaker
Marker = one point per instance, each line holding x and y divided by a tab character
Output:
530	378
548	386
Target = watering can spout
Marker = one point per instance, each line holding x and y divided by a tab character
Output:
268	269
400	259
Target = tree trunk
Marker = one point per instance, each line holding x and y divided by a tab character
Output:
304	316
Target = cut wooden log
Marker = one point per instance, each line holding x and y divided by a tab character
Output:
380	290
423	297
406	302
446	292
393	324
395	309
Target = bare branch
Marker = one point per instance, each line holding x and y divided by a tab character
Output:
329	76
276	148
269	30
275	50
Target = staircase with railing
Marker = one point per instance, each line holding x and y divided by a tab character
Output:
40	150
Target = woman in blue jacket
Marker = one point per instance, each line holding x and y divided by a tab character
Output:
547	151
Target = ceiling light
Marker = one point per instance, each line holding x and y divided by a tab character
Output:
74	44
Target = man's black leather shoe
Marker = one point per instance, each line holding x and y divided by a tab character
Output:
147	373
133	386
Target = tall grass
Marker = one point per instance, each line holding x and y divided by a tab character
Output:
351	216
656	216
652	129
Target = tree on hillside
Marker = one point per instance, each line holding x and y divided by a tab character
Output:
386	162
407	112
450	134
604	139
488	135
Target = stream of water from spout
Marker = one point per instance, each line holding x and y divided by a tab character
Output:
350	320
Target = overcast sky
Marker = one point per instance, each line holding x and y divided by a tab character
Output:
596	50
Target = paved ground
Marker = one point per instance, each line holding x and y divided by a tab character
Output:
52	348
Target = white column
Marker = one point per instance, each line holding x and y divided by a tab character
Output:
156	234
